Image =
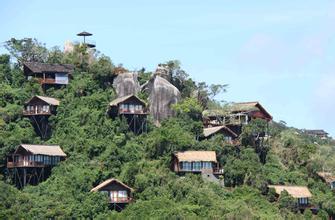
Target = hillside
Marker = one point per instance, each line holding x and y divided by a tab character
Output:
99	148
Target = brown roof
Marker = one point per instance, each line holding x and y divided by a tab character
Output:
326	176
117	101
294	191
36	67
109	181
249	106
213	130
49	100
51	150
196	156
316	132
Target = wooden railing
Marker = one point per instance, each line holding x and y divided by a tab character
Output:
124	111
47	81
218	171
120	200
38	112
24	163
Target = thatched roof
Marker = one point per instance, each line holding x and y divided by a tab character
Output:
110	181
208	156
248	107
50	150
327	177
36	67
294	191
233	108
49	100
117	101
213	130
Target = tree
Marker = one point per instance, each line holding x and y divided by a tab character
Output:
27	50
253	135
287	202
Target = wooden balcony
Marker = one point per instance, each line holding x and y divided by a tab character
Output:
120	200
31	113
133	112
24	163
47	81
218	171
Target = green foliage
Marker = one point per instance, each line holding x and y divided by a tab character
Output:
27	50
99	147
287	202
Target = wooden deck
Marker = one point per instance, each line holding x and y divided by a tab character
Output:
120	200
24	164
31	113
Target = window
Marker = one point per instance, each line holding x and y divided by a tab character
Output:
131	108
122	194
138	107
207	165
303	201
186	165
197	166
228	139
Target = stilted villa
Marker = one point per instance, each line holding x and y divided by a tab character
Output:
119	194
196	162
31	164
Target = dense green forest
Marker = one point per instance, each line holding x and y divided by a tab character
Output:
99	148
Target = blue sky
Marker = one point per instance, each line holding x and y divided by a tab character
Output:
280	53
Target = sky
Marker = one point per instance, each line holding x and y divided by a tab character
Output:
280	53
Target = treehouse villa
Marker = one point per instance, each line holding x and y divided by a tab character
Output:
47	73
133	109
196	162
40	105
31	164
118	193
300	193
328	178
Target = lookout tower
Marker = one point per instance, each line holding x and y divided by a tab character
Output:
89	44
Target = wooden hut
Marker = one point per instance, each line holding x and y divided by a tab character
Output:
228	134
195	162
300	193
118	193
328	178
31	164
47	73
38	109
317	133
133	109
40	105
236	115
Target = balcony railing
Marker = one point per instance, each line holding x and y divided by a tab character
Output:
125	111
218	171
24	163
47	81
38	112
120	200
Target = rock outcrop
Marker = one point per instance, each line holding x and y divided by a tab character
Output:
126	84
162	95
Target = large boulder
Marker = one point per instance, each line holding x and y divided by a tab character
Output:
162	94
126	84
